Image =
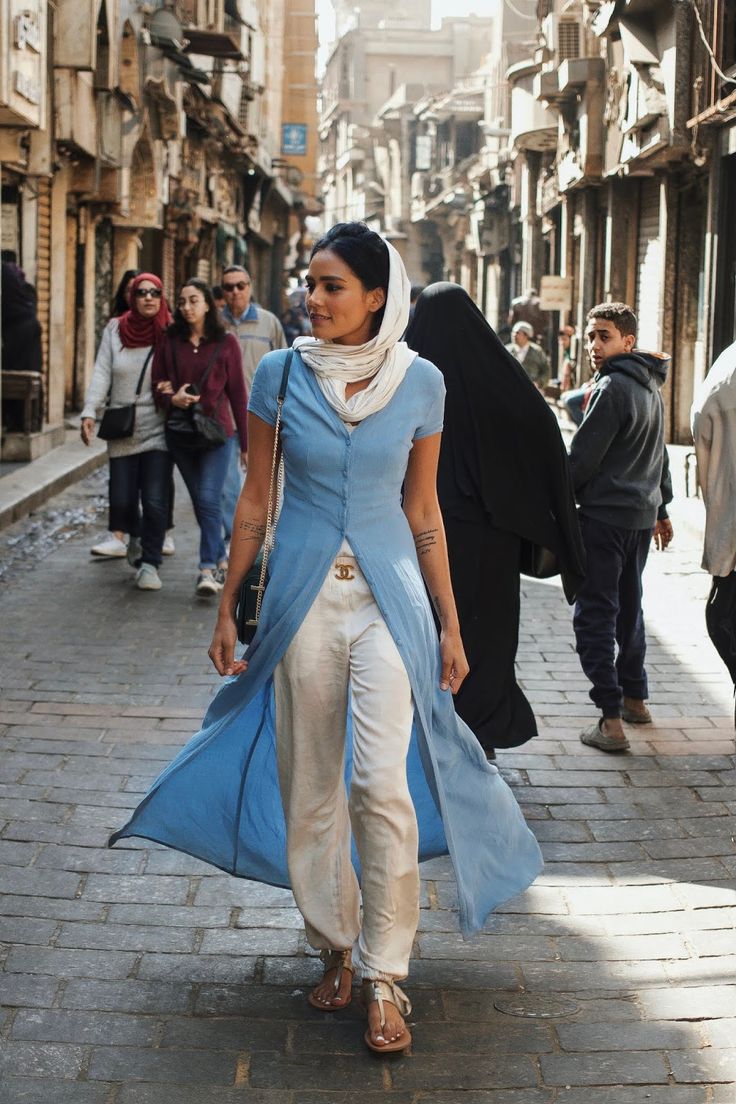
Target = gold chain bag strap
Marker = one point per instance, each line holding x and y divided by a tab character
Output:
252	588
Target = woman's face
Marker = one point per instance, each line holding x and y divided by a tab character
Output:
340	309
193	305
146	298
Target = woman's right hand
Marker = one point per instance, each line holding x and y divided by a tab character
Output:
183	398
87	430
222	648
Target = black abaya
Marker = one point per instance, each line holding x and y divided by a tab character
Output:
503	478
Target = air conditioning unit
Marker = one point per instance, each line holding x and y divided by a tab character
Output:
562	36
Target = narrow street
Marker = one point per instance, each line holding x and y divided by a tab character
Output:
142	976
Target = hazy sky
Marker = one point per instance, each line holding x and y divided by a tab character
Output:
440	8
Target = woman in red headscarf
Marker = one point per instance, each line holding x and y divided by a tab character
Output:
140	464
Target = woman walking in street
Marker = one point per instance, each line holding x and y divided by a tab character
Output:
504	490
339	726
200	364
140	464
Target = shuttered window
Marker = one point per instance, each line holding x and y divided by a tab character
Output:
649	267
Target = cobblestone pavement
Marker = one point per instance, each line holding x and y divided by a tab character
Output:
141	976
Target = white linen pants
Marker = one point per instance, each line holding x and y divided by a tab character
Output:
344	645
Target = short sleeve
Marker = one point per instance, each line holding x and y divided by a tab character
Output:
264	392
433	417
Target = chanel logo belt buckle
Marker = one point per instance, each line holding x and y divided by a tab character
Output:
344	571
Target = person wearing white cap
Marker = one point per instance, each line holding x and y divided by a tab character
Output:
530	355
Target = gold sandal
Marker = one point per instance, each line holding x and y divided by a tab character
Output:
338	961
380	991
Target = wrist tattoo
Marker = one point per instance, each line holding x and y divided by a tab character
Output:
437	605
425	541
251	531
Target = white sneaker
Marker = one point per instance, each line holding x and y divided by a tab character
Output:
207	583
111	547
168	548
147	577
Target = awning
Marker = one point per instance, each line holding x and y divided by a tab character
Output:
211	44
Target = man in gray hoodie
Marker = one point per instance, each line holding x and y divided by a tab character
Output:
622	483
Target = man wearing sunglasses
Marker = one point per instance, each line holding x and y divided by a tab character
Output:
258	331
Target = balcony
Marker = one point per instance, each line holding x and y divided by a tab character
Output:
533	126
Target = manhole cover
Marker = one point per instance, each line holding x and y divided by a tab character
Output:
535	1007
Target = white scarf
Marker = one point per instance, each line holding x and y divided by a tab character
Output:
384	358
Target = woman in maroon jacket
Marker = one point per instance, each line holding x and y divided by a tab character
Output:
201	363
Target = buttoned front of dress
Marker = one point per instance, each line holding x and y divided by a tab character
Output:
219	799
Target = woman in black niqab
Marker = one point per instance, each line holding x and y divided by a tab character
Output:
504	489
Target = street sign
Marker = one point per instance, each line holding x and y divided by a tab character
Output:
555	293
293	139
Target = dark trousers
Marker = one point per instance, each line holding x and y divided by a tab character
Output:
608	614
204	474
720	619
145	478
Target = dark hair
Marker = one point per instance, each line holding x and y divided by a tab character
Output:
213	327
620	314
120	304
363	251
217	292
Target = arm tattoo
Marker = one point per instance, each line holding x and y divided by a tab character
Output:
425	541
252	531
437	605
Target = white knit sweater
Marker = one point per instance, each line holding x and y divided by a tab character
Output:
123	367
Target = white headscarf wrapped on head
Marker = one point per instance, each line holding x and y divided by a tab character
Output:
384	359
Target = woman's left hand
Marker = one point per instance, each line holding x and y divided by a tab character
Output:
454	664
165	387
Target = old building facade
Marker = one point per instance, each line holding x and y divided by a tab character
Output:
143	136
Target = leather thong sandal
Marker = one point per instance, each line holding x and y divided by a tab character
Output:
337	961
380	991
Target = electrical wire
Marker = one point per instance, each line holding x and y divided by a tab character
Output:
515	10
714	62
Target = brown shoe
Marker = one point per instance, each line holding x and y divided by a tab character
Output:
606	735
634	711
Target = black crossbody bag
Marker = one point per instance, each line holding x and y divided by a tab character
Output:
253	586
118	422
191	429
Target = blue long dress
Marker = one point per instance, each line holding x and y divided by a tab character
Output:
219	799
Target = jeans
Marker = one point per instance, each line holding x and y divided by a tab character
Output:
608	614
233	483
344	649
204	474
144	477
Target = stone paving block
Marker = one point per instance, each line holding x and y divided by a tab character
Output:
484	948
721	942
14	853
130	995
238	891
23	929
27	990
93	798
39	883
51	907
358	1072
171	1067
125	937
651	1035
268	918
455	974
626	899
175	916
718	895
690	847
720	1033
39	832
90	859
142	888
625	948
704	1002
67	1026
248	1002
27	1090
456	1073
704	1066
548	977
40	1059
609	830
561	831
702	971
632	1067
249	941
174	862
643	1094
592	852
225	1033
12	808
196	967
202	1094
69	963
